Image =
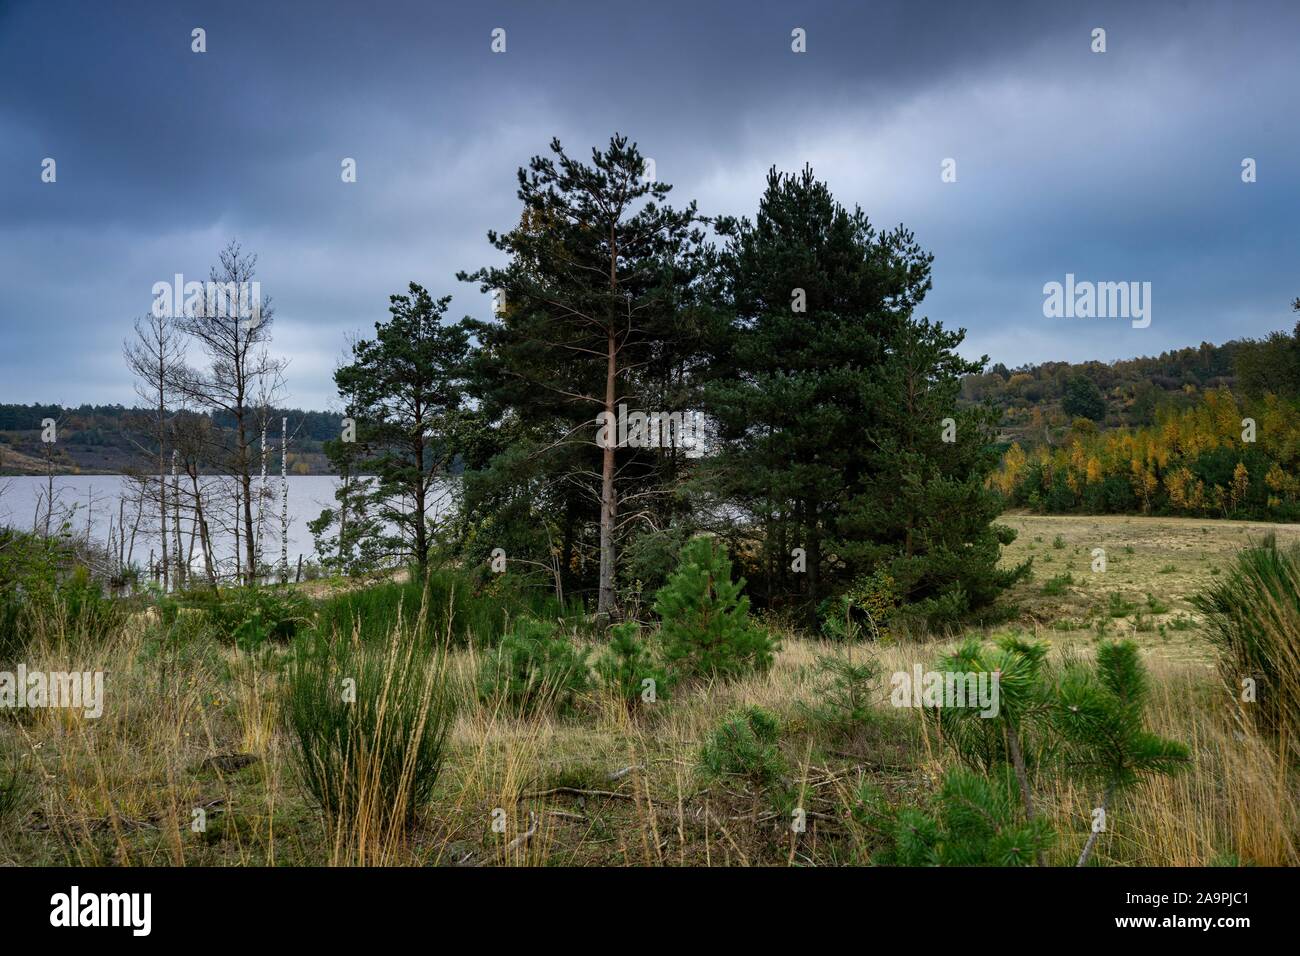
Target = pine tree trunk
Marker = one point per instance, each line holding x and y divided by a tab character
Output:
1022	777
1092	837
814	558
566	543
608	512
421	532
344	504
608	503
49	489
245	486
194	537
135	526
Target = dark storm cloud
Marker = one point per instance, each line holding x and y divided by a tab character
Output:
1115	166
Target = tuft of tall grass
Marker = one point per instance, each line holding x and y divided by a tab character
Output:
13	787
453	609
1252	617
370	722
53	603
253	701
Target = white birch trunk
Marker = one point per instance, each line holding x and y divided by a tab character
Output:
261	499
176	521
284	500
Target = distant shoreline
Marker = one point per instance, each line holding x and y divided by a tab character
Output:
64	473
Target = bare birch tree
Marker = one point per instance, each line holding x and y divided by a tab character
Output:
233	327
284	500
154	357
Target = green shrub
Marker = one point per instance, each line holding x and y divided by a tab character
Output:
47	587
1085	722
938	614
534	669
370	723
844	693
1155	605
1119	606
839	622
865	610
1016	734
249	617
85	601
201	602
628	663
974	822
1056	586
373	612
745	745
706	630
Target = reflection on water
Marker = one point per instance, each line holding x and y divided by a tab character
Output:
94	506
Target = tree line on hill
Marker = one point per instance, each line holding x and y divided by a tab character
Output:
1222	441
102	439
1222	457
102	423
1038	401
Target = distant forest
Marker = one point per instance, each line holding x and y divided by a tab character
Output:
1206	432
100	439
1039	404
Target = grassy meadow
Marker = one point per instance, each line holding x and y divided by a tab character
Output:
194	764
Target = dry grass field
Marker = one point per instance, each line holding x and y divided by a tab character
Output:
193	733
1150	563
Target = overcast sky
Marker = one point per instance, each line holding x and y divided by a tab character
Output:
1115	166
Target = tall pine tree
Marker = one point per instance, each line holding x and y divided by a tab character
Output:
594	313
831	397
405	388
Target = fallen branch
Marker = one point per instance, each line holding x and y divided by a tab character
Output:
579	792
524	837
565	815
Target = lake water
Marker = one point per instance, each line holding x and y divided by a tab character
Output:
88	502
